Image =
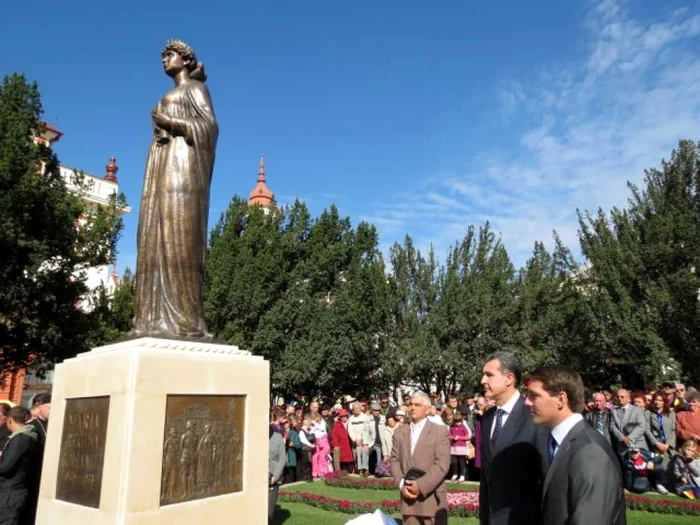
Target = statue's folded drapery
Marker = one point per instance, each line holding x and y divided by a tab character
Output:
172	232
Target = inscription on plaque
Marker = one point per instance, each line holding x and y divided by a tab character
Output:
202	447
83	451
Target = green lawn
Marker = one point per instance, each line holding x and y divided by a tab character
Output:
300	514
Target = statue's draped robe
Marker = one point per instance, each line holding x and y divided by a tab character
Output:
172	232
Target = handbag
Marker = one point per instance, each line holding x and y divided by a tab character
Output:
471	451
383	469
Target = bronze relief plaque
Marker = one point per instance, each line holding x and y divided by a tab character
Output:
202	447
83	451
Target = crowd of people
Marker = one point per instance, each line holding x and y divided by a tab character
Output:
357	436
656	435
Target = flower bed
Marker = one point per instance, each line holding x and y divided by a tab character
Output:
343	480
460	504
663	506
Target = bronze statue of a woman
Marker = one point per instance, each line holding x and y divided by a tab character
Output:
172	232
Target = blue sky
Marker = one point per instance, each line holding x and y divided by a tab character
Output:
421	117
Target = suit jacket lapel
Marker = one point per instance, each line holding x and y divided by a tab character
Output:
563	451
424	435
625	415
653	422
486	424
511	426
406	444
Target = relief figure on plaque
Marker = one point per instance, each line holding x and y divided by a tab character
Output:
220	461
171	447
188	461
205	461
172	231
235	451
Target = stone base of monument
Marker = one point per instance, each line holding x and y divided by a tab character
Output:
155	431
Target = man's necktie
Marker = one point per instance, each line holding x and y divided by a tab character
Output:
660	421
499	425
599	423
551	448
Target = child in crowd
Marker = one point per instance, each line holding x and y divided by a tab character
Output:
459	437
686	471
638	466
320	462
308	446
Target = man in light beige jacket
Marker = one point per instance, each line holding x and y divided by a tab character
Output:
424	446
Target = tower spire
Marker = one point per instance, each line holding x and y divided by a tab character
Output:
112	170
261	194
261	169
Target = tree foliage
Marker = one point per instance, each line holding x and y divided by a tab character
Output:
308	294
44	254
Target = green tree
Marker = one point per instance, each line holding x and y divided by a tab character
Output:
546	307
474	314
411	347
327	327
44	254
247	269
645	307
112	315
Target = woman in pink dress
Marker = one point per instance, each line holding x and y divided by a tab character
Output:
320	466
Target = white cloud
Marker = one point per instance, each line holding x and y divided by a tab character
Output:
593	126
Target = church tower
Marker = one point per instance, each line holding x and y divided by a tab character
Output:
261	194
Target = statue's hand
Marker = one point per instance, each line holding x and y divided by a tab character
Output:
161	120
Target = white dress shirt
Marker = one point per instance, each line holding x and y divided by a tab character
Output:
560	432
416	429
507	409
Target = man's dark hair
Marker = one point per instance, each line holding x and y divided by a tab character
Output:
19	415
509	364
557	379
4	409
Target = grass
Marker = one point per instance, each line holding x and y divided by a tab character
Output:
300	514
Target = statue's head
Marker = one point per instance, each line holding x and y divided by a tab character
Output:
189	58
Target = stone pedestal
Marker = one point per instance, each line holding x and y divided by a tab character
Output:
153	431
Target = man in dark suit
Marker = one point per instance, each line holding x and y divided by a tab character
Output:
4	431
17	461
599	418
583	485
423	447
42	404
511	477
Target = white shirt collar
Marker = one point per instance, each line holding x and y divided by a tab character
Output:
562	429
510	404
418	426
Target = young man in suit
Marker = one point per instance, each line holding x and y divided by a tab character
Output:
583	484
17	461
511	473
424	447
